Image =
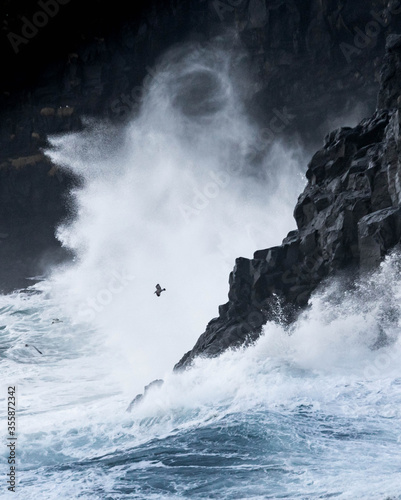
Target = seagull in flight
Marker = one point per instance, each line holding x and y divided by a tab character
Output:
27	345
159	290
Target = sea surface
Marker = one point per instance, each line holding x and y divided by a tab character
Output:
311	413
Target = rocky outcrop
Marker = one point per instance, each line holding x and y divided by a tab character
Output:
348	218
140	397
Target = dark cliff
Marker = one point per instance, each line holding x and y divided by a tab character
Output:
63	61
348	218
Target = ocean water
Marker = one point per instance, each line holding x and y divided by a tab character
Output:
173	197
310	413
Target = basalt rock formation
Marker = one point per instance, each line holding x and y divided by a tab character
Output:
348	218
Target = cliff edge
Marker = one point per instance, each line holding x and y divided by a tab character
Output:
348	218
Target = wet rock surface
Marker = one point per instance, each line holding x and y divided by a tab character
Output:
348	218
140	397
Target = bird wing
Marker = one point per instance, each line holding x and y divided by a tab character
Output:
158	288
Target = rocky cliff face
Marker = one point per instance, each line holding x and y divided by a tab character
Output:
63	62
348	218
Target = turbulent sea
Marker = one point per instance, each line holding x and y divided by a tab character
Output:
173	197
314	414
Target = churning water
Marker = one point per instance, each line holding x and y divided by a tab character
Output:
173	198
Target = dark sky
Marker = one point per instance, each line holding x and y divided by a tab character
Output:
75	22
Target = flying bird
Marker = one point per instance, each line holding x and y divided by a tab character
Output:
27	345
56	320
159	290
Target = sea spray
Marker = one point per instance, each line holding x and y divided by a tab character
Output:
172	198
323	362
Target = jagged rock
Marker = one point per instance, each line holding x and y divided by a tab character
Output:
378	232
139	397
391	74
348	217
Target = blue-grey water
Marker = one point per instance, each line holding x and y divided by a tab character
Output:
311	414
